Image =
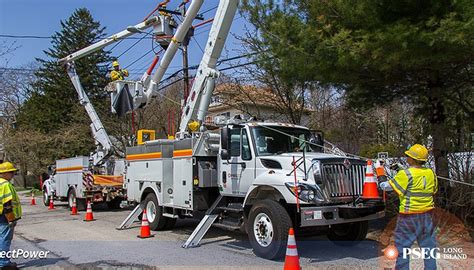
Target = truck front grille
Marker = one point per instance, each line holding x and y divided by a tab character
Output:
343	182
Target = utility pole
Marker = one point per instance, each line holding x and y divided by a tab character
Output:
185	72
185	60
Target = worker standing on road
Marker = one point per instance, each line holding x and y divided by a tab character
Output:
10	211
118	74
415	187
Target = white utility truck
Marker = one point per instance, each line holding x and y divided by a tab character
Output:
98	177
258	177
76	179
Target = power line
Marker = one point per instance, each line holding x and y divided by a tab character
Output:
207	10
113	47
133	45
138	59
47	37
193	67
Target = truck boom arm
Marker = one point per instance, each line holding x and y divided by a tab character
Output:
197	104
112	39
98	131
104	145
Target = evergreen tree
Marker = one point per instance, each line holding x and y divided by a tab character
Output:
419	52
53	104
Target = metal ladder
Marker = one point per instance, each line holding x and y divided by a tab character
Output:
131	217
203	226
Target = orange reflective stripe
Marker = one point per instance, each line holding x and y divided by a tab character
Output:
183	153
154	155
66	169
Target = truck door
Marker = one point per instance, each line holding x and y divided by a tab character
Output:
237	173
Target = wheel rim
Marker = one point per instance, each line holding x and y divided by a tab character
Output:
150	211
263	229
45	197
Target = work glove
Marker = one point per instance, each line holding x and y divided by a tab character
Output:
396	167
382	178
385	186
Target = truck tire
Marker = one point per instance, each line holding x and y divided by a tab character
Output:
45	197
155	213
267	227
348	234
80	203
114	204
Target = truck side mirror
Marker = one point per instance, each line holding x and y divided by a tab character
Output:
225	138
318	140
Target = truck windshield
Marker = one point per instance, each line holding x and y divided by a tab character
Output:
278	140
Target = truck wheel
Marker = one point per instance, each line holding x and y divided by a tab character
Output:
45	197
71	195
154	213
267	228
80	203
114	204
349	234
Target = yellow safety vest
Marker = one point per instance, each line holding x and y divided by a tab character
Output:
415	188
8	193
116	75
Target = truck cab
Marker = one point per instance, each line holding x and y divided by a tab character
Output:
284	177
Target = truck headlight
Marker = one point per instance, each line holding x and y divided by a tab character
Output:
305	192
318	175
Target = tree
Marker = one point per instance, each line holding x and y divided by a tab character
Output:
416	52
53	104
15	86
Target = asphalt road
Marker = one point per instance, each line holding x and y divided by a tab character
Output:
73	243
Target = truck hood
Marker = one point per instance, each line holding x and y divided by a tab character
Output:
286	159
335	179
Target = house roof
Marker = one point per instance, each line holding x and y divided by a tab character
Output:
226	94
229	95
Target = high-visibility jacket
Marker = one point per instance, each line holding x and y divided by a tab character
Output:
116	75
415	188
8	194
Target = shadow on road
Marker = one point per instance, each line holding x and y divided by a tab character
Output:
316	248
43	262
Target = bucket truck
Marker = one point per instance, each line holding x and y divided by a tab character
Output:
257	177
98	177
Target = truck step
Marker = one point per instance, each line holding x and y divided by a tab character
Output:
131	217
200	231
230	209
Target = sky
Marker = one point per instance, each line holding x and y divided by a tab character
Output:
42	18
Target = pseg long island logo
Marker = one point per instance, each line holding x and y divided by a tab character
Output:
454	247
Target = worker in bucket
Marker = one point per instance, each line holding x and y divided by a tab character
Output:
416	187
118	74
10	212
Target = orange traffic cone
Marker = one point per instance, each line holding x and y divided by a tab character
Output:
369	190
381	175
51	203
380	171
292	261
74	207
33	201
89	215
145	228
